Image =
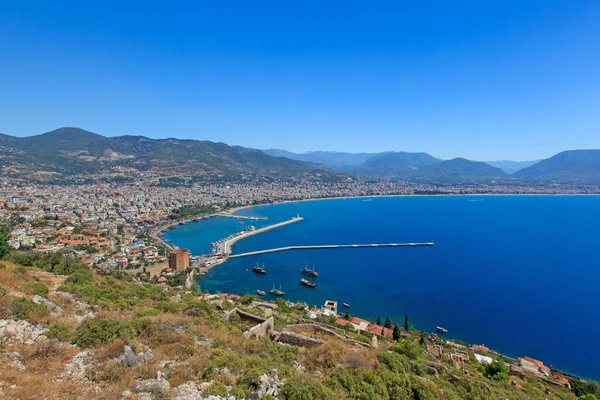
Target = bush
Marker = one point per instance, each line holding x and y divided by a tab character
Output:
99	331
24	309
59	331
37	288
305	388
497	371
238	392
409	347
218	389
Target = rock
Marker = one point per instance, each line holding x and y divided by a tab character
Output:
374	342
21	331
188	391
17	361
126	394
297	365
484	386
153	386
77	368
176	298
129	358
454	379
432	371
269	384
53	307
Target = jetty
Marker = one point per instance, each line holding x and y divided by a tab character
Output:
242	217
331	246
223	246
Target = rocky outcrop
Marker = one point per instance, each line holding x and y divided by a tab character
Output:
78	367
54	308
269	384
156	387
21	331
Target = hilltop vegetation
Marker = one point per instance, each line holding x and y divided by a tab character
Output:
106	337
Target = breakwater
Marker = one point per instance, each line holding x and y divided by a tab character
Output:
224	246
330	246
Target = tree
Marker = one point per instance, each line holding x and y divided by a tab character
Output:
422	341
396	332
497	371
4	236
406	323
383	332
388	323
378	320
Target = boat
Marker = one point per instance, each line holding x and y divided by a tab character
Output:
240	222
308	283
276	292
309	272
259	270
346	305
260	293
440	329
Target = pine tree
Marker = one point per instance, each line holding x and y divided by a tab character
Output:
382	332
396	333
422	341
4	236
388	323
378	320
406	323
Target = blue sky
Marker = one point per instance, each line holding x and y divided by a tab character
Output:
481	79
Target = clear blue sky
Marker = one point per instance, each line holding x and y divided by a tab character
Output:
481	79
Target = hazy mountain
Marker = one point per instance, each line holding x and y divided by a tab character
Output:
76	151
510	167
395	165
576	166
459	170
331	159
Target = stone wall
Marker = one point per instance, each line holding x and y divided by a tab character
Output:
297	339
261	329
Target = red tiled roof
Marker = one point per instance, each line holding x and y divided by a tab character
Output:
342	322
358	321
376	330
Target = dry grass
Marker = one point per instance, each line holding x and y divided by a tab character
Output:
323	358
110	350
13	280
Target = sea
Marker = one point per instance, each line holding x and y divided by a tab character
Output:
519	274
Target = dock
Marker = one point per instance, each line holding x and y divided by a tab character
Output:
242	217
331	246
224	245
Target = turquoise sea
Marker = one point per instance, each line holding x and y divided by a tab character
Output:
520	274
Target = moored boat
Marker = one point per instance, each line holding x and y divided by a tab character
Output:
260	293
309	272
308	283
346	305
259	270
276	292
440	329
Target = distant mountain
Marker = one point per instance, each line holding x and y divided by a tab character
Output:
70	151
510	167
395	165
574	166
459	170
331	159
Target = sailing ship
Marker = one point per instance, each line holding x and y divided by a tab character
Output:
308	283
259	270
309	272
276	292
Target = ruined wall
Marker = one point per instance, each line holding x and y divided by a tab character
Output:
297	339
260	330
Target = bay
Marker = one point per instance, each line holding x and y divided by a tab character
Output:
519	274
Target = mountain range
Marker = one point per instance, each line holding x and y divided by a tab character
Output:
74	151
69	151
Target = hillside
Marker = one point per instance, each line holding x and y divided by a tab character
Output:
69	151
332	159
68	332
397	165
459	170
572	166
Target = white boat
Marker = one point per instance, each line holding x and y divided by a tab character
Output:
440	329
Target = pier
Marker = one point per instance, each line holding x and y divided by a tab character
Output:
223	246
331	246
242	217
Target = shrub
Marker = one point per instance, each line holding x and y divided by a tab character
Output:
2	265
218	389
26	309
37	288
59	331
46	348
238	392
409	347
99	331
305	388
20	269
497	371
